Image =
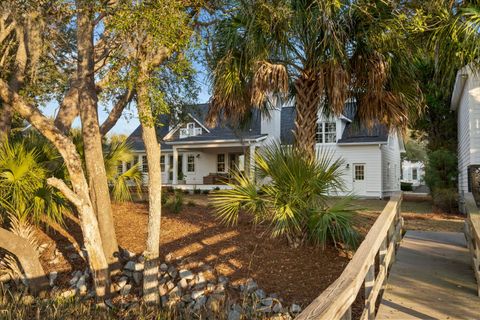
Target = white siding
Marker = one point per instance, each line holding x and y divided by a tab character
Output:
370	155
391	163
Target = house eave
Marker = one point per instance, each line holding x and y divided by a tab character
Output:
216	141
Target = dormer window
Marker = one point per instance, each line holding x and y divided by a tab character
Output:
190	130
326	132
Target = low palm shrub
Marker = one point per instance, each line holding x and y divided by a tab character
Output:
291	193
174	201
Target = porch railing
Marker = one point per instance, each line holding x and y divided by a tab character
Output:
378	249
472	234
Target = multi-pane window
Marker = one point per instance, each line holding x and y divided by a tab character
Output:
414	173
190	163
144	164
120	168
220	162
162	163
360	172
128	165
326	132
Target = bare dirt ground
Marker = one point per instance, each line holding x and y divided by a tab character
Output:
238	252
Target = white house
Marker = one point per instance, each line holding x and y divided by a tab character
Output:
413	172
466	101
197	157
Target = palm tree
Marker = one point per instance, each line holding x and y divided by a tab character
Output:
293	198
322	51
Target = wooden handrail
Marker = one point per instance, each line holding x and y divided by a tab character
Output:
472	234
382	239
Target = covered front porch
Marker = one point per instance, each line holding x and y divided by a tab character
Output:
205	166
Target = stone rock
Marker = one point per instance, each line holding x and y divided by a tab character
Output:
267	302
76	275
81	286
126	289
73	256
234	315
186	274
169	258
250	286
162	290
197	294
127	254
170	285
109	303
260	294
133	266
210	287
164	300
137	277
122	282
200	280
200	303
172	272
52	277
175	292
163	267
295	308
183	283
277	308
187	298
223	280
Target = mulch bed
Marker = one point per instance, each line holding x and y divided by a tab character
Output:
243	251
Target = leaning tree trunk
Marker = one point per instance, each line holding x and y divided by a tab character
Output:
309	90
87	105
28	258
152	148
80	195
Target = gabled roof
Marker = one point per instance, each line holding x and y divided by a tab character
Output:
353	133
198	113
356	133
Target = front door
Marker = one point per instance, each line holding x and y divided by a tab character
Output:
359	182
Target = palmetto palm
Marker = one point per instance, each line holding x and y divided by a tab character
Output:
325	51
116	152
293	197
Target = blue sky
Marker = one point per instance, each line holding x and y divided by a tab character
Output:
129	120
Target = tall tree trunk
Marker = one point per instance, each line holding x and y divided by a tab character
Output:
309	90
80	195
152	148
87	105
28	258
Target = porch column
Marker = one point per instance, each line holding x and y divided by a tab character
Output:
251	161
175	166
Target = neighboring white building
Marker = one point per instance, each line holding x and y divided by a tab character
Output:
466	101
413	172
197	157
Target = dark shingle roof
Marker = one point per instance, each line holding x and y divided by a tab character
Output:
353	133
251	130
356	133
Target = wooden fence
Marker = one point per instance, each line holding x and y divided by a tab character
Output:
472	234
377	250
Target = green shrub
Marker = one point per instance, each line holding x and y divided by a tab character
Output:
175	201
196	191
295	201
446	199
406	186
205	191
441	177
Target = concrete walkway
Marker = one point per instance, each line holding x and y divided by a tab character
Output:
432	278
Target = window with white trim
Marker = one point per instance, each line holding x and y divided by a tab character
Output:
190	163
414	174
326	132
144	164
162	163
221	162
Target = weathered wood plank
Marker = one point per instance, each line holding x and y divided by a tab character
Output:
472	234
334	302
